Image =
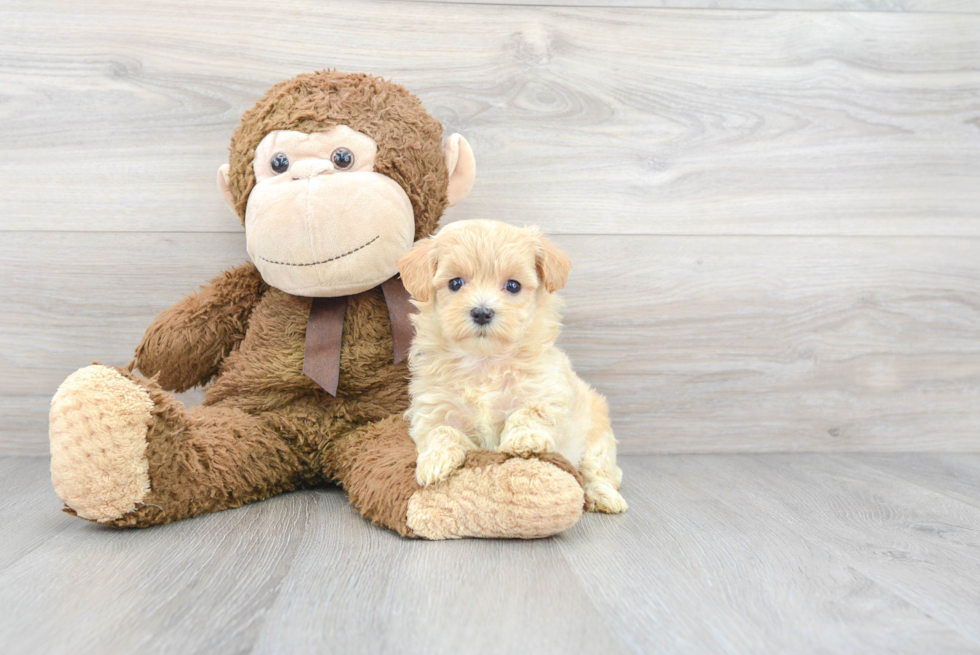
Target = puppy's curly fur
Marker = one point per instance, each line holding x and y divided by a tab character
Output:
485	369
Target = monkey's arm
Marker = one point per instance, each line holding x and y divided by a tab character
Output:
186	343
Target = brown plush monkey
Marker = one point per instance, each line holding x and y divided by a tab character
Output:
334	176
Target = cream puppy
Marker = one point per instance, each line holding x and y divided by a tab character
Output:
485	369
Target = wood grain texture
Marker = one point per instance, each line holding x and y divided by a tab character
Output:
919	544
429	597
583	120
28	508
197	587
701	344
718	554
932	6
770	169
697	565
955	475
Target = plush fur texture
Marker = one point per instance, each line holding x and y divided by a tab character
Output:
212	322
264	427
497	496
499	383
409	139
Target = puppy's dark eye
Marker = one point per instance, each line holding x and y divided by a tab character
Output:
456	284
342	159
280	163
513	286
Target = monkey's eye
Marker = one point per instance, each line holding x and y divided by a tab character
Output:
456	284
513	286
342	159
280	163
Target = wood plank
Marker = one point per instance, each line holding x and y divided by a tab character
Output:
780	344
28	508
93	304
955	475
701	344
354	588
718	554
931	6
919	544
698	566
631	121
196	586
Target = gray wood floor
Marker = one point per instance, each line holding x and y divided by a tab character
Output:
845	553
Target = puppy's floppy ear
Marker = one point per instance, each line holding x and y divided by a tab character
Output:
418	267
552	265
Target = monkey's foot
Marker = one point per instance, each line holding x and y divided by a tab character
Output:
98	426
496	496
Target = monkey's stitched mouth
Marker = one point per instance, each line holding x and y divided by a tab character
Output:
323	261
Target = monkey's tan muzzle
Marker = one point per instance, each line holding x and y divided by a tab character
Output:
324	233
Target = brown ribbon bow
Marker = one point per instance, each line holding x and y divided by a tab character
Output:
325	332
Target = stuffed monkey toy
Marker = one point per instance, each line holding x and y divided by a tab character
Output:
334	177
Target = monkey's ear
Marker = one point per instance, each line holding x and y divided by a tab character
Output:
417	269
223	173
552	265
461	166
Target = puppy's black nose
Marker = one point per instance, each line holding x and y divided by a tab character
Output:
481	315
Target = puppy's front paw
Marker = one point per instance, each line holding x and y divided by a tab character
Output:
438	464
602	497
527	442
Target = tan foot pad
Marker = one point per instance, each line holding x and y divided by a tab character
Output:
519	498
98	427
